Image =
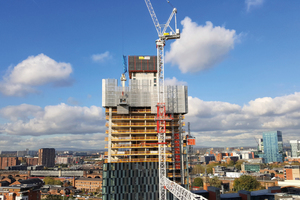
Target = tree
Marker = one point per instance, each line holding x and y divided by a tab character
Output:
238	164
198	169
52	181
49	181
246	182
230	163
215	182
198	182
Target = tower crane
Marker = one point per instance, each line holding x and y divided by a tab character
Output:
164	183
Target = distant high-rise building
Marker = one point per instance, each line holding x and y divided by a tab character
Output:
273	146
47	157
21	153
260	144
295	148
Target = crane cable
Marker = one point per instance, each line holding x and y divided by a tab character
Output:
170	3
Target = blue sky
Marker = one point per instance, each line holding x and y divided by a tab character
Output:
239	59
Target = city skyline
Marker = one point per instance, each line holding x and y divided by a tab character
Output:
239	60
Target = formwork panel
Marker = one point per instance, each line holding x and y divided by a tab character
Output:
140	93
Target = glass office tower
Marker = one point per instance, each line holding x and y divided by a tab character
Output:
273	146
295	148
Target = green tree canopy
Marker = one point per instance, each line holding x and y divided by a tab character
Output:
198	182
215	182
246	182
52	181
198	169
231	163
238	164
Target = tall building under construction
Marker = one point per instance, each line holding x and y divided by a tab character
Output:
131	168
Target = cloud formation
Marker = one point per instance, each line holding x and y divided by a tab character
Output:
86	141
222	123
58	119
174	81
99	58
35	71
200	47
253	3
214	123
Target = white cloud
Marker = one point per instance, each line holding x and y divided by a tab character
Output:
35	71
253	3
22	112
223	123
57	119
174	81
84	141
200	47
214	123
277	106
101	57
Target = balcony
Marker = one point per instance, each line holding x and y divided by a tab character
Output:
136	160
150	124
113	110
140	111
170	175
145	145
131	118
133	153
122	139
141	131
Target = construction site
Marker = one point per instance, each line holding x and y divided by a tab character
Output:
146	139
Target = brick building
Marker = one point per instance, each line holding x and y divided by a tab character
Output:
19	192
89	184
8	161
291	172
32	161
46	157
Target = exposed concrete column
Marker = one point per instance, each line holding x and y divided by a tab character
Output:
73	181
109	134
181	151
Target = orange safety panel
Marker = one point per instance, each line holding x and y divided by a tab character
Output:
191	141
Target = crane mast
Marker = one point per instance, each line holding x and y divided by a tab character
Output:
164	183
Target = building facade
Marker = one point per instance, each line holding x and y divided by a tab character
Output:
88	184
251	167
260	144
273	146
291	172
8	161
32	161
132	135
47	157
295	148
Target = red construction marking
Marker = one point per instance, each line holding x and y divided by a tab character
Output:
162	143
191	142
